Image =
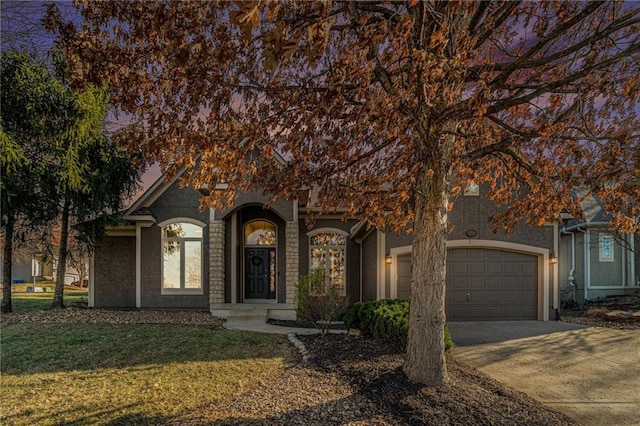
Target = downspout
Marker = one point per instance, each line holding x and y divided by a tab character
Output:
360	244
572	271
587	264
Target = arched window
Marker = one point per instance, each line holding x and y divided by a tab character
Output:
181	258
260	233
328	250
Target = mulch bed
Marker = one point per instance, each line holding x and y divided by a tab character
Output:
107	316
594	313
373	368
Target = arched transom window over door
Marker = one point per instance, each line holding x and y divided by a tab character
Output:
181	258
328	250
259	233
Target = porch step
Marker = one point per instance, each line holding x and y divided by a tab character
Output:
248	313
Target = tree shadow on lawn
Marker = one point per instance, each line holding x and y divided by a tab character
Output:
85	415
56	347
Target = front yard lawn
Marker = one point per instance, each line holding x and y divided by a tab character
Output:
21	301
128	373
104	367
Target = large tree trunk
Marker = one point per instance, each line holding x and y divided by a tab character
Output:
7	264
425	360
58	296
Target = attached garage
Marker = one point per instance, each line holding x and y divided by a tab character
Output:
483	284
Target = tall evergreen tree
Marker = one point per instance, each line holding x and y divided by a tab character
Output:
57	162
33	113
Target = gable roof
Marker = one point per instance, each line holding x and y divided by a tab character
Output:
139	210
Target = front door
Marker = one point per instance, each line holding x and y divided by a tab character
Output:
259	273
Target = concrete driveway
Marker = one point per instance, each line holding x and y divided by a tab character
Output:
591	374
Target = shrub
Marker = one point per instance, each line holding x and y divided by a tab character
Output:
318	302
386	319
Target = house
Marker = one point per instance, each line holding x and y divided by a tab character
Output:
168	254
596	262
28	262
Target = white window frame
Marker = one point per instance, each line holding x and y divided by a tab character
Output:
343	291
606	241
182	290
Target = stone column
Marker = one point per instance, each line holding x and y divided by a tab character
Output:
216	261
292	257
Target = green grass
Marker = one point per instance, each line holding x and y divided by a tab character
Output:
126	373
29	302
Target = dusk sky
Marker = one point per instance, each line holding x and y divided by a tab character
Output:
21	27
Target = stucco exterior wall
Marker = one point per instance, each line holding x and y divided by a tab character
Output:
114	279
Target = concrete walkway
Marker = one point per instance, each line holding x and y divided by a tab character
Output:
591	374
260	326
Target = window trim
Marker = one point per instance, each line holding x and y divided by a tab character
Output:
610	245
182	240
326	230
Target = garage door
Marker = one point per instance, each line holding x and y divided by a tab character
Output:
485	284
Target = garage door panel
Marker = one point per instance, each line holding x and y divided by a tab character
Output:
494	311
458	283
477	313
494	268
458	297
493	297
476	298
511	269
501	285
476	269
494	283
529	312
477	283
529	269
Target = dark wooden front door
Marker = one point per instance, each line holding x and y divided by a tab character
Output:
258	273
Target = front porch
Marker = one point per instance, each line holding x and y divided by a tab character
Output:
254	311
253	263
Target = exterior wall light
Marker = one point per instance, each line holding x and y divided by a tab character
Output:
553	259
388	259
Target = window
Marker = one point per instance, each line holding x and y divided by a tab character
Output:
472	189
606	248
259	233
181	258
328	254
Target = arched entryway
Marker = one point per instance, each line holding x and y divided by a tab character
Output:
260	239
256	255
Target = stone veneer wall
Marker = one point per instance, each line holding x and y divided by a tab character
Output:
292	255
216	261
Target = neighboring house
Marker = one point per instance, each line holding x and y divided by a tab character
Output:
596	262
27	263
169	254
29	260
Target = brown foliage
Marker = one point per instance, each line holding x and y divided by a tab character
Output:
361	98
376	105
